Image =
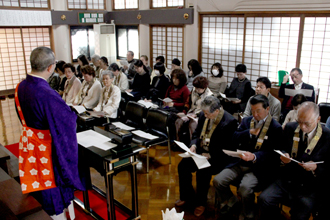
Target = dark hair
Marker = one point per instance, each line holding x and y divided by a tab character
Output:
139	63
59	65
260	99
176	61
298	99
105	60
296	69
145	57
160	66
114	67
87	69
218	65
200	82
180	75
161	59
195	67
131	52
69	65
83	59
265	81
240	68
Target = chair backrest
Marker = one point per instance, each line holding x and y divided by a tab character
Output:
134	112
324	111
157	119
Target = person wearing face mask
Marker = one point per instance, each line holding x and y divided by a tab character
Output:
241	89
296	76
159	84
263	88
141	82
217	81
192	107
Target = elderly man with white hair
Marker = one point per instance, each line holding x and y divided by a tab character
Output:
301	185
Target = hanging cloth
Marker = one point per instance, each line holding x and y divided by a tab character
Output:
35	156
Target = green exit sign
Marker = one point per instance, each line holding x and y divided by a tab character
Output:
90	17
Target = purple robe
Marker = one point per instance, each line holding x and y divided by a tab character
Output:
43	108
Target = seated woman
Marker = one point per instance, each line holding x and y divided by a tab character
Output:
217	81
110	96
193	105
90	92
177	91
292	115
72	84
141	81
59	69
103	66
241	89
82	61
159	84
195	70
120	79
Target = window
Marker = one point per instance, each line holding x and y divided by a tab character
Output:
125	4
82	41
87	4
16	45
167	3
168	42
26	3
267	44
127	39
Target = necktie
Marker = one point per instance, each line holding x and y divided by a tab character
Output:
305	140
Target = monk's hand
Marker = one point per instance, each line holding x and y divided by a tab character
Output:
309	166
247	156
193	148
285	159
255	131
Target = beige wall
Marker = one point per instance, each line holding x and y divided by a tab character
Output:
191	32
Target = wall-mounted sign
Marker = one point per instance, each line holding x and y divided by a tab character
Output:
90	17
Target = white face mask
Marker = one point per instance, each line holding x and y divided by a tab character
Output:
157	72
215	72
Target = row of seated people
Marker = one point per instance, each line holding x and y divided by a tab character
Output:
279	178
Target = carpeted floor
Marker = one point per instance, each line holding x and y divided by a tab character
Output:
97	202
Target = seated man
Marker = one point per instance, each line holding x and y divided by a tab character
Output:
299	183
129	70
213	133
296	76
263	87
257	136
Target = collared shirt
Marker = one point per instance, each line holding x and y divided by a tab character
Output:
298	86
37	76
310	135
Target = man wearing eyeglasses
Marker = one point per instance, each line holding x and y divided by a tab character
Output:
302	184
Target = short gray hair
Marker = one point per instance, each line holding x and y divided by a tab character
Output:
306	106
210	103
95	57
41	58
108	73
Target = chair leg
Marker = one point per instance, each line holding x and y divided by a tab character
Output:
147	159
169	150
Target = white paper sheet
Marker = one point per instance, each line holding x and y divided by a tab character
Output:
79	108
105	146
200	160
91	138
280	153
123	62
231	153
191	117
144	134
167	100
147	104
123	126
293	92
130	94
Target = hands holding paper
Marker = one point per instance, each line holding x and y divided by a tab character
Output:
309	166
247	156
286	158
